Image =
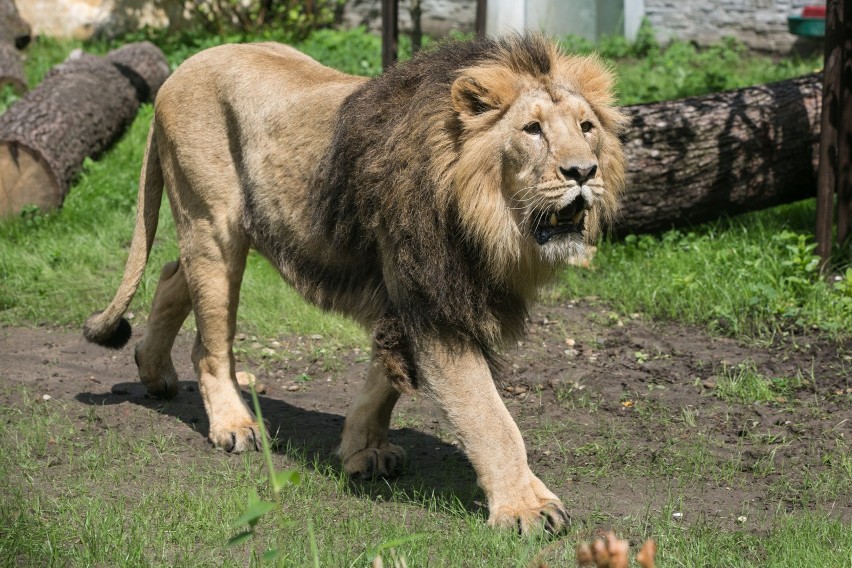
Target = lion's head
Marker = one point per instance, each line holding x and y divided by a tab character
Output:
540	165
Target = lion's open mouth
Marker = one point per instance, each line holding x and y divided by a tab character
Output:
569	219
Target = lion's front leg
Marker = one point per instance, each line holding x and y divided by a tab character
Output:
364	448
459	379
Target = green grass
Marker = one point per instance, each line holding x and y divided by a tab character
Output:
82	490
81	493
58	268
743	383
753	275
650	72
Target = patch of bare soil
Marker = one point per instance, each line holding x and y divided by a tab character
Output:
620	415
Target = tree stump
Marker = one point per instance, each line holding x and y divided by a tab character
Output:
696	159
13	29
12	69
82	107
144	65
14	35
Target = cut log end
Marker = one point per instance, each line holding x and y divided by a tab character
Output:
12	69
25	180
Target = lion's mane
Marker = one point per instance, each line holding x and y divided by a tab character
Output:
420	192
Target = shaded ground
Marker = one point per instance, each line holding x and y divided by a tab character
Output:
622	417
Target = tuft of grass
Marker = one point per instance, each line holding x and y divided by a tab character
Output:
744	384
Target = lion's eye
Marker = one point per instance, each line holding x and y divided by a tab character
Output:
533	129
586	126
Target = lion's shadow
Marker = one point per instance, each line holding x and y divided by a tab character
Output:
433	467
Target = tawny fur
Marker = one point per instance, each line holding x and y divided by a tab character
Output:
408	202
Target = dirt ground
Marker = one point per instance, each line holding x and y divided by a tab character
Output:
620	415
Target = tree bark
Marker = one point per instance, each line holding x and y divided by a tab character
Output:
144	65
693	160
81	107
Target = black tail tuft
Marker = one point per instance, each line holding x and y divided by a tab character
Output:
115	338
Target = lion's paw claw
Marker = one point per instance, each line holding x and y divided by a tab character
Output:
550	516
369	463
237	440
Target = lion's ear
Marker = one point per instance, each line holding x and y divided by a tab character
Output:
469	97
479	90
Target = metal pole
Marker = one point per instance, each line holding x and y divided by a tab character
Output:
844	166
390	32
481	13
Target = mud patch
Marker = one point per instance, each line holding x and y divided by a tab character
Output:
622	417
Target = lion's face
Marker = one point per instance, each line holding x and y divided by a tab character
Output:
540	164
551	176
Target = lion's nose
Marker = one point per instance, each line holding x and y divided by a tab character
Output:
581	173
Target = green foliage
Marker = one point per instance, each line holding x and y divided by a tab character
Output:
351	51
647	71
616	46
755	274
294	18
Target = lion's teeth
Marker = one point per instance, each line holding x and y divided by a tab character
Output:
578	217
554	220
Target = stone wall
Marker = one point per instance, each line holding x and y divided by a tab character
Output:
760	24
438	17
81	19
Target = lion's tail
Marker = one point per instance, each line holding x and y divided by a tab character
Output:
109	328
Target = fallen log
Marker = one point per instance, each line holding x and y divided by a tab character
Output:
81	107
696	159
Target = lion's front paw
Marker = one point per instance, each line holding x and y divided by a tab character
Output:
385	461
237	438
550	516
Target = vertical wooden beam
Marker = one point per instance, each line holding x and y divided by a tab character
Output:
416	11
828	155
390	32
481	13
844	144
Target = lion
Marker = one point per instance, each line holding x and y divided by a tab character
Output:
429	204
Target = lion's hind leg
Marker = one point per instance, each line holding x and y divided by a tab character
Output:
154	353
365	449
214	274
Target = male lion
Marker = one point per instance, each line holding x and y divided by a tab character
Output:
429	204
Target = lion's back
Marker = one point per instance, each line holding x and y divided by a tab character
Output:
249	116
263	77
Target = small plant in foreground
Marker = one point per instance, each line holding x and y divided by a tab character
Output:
256	507
610	551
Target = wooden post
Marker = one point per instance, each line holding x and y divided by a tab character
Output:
390	32
416	12
844	169
830	121
481	7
